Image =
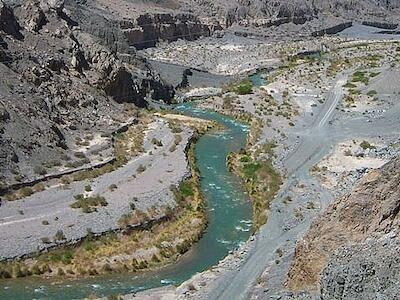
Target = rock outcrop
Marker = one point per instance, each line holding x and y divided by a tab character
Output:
56	5
381	25
324	13
333	30
369	270
346	244
33	16
140	30
8	22
148	29
58	80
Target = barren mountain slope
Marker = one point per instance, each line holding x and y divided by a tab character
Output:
61	83
301	10
364	226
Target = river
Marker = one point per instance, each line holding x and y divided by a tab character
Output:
229	214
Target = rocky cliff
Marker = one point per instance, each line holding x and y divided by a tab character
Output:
144	23
138	24
351	250
148	29
267	13
62	80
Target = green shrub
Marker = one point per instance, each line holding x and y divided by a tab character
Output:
59	235
244	88
112	187
156	142
26	191
366	145
60	272
40	170
88	204
45	240
141	169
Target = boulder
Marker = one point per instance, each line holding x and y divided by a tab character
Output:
3	56
8	22
121	87
3	44
34	16
4	115
78	60
56	64
56	5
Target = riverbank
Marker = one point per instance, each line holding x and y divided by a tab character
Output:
150	245
261	180
152	238
229	217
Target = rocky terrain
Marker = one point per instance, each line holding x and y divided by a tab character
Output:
349	251
62	83
316	80
81	54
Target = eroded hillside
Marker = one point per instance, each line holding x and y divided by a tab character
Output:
354	243
63	84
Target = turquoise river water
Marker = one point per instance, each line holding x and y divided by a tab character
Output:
229	214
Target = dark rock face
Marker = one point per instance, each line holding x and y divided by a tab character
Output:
160	91
333	30
107	31
148	29
61	80
122	88
381	25
8	22
4	58
185	81
277	12
4	115
56	64
3	44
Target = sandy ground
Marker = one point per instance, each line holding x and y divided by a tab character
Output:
358	31
344	158
185	119
347	162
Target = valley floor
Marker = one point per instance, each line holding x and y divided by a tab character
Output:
331	121
322	122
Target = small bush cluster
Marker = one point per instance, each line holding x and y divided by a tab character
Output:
89	204
366	145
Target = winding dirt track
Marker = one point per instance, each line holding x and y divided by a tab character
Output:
313	144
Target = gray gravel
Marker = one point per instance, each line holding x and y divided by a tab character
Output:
362	32
21	221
